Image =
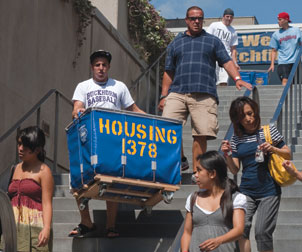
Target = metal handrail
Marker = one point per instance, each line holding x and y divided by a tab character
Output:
286	88
147	73
36	108
290	104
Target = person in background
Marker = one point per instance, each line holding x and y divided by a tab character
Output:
215	213
228	35
31	191
189	81
287	42
248	147
102	92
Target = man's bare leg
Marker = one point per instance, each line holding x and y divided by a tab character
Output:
112	208
199	147
284	81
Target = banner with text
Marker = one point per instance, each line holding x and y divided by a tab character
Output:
253	48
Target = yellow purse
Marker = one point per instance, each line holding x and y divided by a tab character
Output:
277	171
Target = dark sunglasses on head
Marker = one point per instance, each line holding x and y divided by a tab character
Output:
195	18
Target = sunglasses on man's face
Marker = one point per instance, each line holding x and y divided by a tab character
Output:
195	18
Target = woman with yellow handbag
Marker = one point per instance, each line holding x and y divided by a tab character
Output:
248	147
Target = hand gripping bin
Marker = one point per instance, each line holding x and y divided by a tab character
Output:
124	144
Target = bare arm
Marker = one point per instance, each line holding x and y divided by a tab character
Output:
233	163
78	106
166	83
233	72
187	234
274	54
234	56
290	169
135	108
233	235
283	152
47	185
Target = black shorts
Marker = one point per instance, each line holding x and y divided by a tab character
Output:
284	70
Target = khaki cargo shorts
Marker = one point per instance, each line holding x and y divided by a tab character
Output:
202	109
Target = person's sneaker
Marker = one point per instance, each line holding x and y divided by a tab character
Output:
193	178
184	164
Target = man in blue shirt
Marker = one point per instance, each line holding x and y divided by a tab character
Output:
189	81
287	41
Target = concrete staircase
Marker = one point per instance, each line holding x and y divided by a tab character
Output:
145	232
287	236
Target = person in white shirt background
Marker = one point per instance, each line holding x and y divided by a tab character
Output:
228	35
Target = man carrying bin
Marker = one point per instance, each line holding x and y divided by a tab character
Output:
102	92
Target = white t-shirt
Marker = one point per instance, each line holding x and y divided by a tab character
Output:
239	202
113	94
227	34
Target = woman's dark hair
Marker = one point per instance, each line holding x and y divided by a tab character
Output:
237	113
33	138
212	160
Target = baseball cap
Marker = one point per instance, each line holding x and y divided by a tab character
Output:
100	53
228	11
284	15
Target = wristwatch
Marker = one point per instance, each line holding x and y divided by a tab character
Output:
162	97
237	78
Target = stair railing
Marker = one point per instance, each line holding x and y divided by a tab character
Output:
148	76
37	109
288	112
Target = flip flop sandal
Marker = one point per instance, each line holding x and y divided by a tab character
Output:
82	230
112	233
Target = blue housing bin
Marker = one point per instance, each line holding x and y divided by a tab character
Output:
254	77
124	144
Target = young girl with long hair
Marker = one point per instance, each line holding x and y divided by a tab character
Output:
215	213
31	191
248	147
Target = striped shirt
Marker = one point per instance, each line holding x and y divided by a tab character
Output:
256	180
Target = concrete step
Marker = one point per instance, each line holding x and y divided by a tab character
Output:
290	204
297	156
61	179
130	217
283	238
297	148
227	99
128	244
288	216
263	103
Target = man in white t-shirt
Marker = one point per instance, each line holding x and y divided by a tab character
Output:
102	92
227	34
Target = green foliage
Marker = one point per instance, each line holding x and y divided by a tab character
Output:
84	10
147	30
